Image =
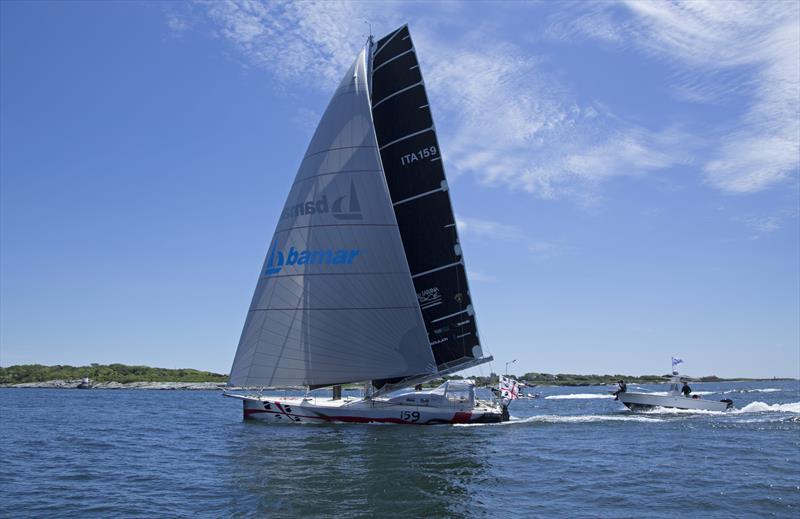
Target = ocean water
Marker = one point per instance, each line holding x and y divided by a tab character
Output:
574	452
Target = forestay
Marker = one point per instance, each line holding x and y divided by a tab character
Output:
335	302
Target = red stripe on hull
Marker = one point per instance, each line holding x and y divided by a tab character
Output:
462	418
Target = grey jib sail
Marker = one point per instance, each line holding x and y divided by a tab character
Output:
334	301
412	164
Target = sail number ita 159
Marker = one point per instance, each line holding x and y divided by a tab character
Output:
424	153
409	416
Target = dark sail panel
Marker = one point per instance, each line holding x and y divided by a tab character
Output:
415	176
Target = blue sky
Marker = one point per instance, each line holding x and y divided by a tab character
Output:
625	175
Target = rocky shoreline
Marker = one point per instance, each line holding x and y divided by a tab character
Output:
73	384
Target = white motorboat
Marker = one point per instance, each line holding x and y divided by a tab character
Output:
364	279
674	398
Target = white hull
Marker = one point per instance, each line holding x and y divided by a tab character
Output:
325	410
647	400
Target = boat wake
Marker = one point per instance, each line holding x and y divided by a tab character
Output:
578	396
556	419
752	407
590	418
765	390
649	416
761	407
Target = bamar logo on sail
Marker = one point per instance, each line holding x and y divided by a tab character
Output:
338	209
276	259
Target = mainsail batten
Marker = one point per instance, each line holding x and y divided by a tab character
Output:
411	160
335	302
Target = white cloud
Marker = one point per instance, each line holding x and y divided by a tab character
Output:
766	224
544	250
721	50
760	225
178	24
506	120
511	123
479	275
478	228
302	42
482	230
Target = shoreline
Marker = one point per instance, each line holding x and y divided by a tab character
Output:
163	386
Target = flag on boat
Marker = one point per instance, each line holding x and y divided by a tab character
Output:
675	362
509	389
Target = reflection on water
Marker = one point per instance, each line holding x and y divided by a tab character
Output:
300	471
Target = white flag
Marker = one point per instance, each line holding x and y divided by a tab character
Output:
508	388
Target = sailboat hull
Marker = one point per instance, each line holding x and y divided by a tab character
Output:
325	410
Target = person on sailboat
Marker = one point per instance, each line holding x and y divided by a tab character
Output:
686	390
623	387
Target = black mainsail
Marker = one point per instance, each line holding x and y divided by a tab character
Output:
412	164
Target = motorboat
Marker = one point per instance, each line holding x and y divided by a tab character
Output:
674	398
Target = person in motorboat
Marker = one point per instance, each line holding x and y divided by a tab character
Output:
623	387
686	390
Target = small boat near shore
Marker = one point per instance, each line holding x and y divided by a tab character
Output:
674	399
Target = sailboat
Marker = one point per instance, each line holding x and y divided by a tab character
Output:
364	279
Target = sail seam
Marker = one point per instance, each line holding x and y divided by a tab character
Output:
376	105
335	308
336	225
311	177
391	59
387	42
437	269
432	191
406	137
334	149
305	274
